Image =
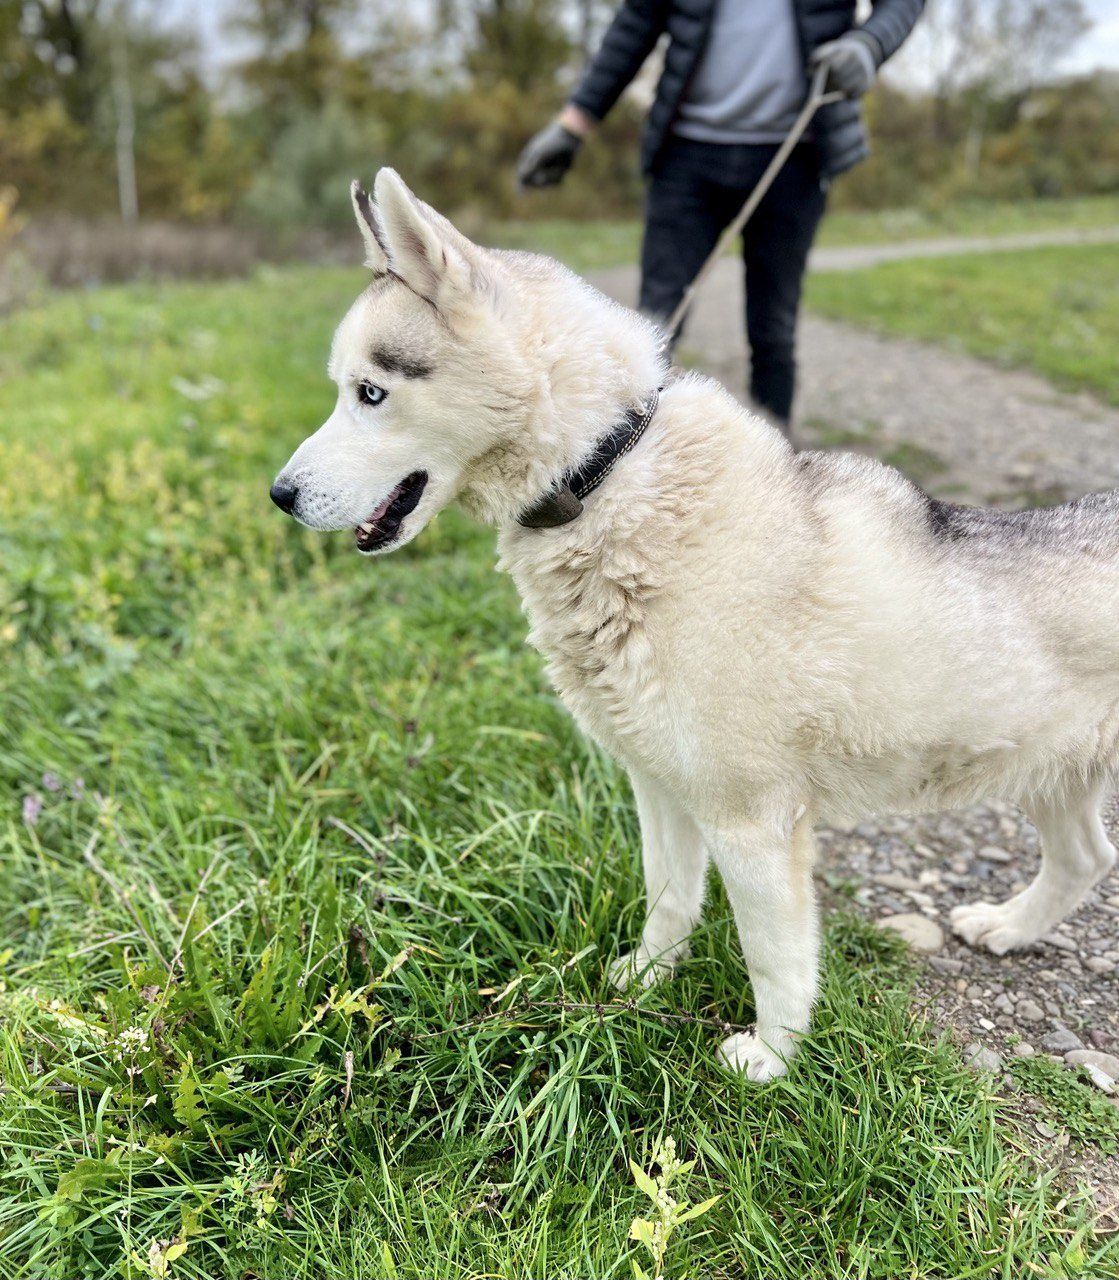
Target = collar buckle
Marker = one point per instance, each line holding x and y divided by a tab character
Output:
563	503
560	506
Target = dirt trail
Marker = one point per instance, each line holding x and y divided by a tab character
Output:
959	425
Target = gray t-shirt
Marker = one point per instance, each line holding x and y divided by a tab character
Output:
751	81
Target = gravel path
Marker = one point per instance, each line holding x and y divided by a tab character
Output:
977	433
960	426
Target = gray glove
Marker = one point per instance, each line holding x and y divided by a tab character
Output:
547	156
851	62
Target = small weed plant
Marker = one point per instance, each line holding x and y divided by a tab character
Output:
669	1211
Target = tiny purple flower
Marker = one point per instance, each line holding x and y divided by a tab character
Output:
32	807
51	781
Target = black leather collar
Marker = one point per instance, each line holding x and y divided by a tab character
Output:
563	503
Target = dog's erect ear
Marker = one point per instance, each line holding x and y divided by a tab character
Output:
425	251
376	253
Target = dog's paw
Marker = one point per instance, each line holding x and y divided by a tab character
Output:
636	967
991	925
745	1052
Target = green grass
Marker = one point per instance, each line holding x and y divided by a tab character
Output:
588	246
1084	1114
584	246
969	218
1053	310
304	973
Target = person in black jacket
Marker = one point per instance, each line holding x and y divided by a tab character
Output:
736	73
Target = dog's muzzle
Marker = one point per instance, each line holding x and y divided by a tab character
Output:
382	527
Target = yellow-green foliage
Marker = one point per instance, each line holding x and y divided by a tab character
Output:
669	1211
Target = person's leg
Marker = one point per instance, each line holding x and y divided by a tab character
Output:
685	211
775	245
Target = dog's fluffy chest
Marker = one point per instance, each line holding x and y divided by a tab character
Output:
592	603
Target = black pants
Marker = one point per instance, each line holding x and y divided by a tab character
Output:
696	189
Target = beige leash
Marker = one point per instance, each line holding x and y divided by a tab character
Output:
817	98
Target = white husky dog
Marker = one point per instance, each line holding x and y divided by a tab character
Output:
763	639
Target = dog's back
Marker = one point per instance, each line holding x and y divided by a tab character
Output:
1062	561
1087	526
1059	564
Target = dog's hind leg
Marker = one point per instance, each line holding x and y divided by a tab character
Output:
768	876
675	864
1075	855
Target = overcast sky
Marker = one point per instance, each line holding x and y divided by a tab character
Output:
1100	48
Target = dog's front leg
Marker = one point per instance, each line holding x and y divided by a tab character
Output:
767	870
675	863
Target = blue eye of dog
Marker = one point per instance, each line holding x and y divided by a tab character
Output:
369	393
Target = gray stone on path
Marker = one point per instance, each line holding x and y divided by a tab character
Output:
980	1058
992	853
895	880
1029	1011
1102	1081
917	931
1102	1068
1061	1041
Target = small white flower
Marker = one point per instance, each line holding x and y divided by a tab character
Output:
130	1046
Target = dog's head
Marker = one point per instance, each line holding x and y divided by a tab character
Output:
429	379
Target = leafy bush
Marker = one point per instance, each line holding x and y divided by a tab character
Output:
306	178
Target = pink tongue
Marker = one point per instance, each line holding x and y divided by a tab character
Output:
380	511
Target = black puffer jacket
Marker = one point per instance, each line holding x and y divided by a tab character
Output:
638	25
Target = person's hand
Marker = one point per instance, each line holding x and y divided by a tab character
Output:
549	154
850	63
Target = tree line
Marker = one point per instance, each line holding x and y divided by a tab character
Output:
105	108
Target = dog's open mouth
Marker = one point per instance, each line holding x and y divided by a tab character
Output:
383	525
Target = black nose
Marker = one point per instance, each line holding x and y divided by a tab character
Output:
284	496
